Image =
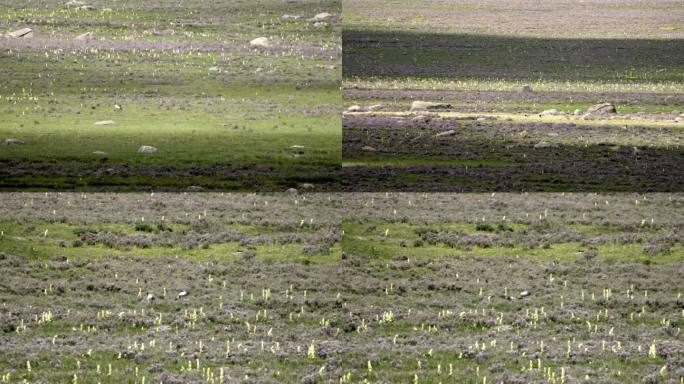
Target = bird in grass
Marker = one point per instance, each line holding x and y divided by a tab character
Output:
118	108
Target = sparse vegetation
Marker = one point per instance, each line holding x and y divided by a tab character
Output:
376	287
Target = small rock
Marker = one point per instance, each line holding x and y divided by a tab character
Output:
542	144
163	32
526	88
368	148
84	36
214	69
23	33
421	119
292	191
195	188
320	24
354	108
577	112
104	122
74	4
323	16
306	186
548	112
147	149
13	142
290	17
262	42
118	108
427	105
602	109
450	132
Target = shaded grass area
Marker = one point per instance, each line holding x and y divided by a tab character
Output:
401	54
518	153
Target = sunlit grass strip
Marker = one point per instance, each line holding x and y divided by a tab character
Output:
502	85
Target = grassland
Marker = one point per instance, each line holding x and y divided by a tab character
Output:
518	58
365	287
222	114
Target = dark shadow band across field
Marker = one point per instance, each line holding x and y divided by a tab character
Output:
18	175
489	167
402	54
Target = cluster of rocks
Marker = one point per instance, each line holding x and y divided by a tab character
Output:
319	20
596	111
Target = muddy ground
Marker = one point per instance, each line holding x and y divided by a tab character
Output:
368	287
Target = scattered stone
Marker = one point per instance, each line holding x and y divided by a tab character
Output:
374	107
602	109
261	42
548	112
147	149
368	148
354	108
21	33
306	186
195	188
320	24
450	132
290	17
323	16
292	191
104	122
526	88
214	69
577	112
427	105
524	293
13	142
84	36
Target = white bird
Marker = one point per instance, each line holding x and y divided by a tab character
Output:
182	294
117	107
